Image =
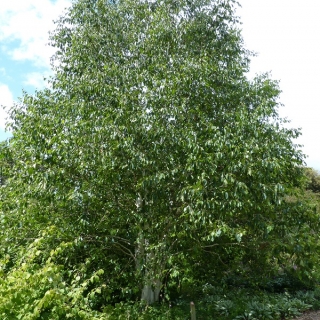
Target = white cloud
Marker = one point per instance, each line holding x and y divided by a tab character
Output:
286	36
29	22
6	99
36	79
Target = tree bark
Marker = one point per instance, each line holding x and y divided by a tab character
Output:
150	270
151	291
148	265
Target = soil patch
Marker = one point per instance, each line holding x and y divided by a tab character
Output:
310	315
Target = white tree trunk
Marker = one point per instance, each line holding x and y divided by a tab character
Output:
151	272
146	264
151	292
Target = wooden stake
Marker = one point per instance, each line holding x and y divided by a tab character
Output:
193	311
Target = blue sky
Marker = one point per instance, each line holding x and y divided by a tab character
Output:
24	53
284	33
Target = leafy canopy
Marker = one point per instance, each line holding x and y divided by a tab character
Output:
151	150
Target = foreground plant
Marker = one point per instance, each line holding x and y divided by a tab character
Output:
37	287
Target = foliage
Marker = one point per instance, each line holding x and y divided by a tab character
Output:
5	162
154	159
313	180
246	304
36	287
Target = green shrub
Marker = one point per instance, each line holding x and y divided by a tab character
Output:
31	290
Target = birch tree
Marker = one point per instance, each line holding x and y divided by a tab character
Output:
151	146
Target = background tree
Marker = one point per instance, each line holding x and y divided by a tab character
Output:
151	150
313	180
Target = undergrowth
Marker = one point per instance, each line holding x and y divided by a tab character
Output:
31	290
223	304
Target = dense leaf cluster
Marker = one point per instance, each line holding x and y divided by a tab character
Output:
155	160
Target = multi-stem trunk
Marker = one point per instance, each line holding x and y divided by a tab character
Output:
149	262
150	272
150	269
